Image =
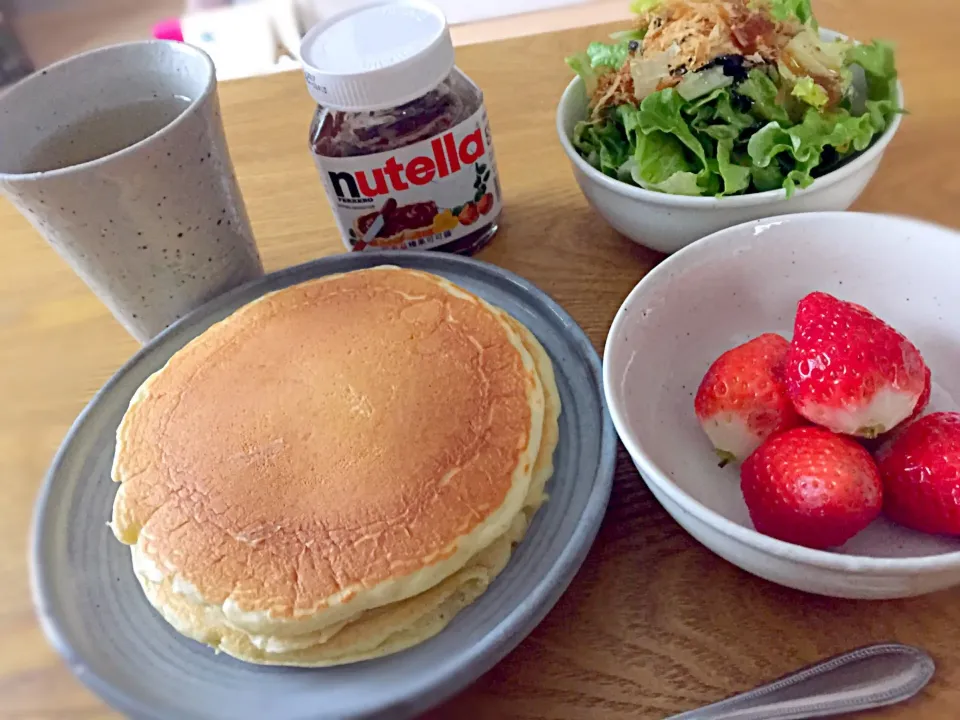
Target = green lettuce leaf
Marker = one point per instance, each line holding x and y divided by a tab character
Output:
768	178
703	84
808	91
878	65
760	88
658	156
881	112
767	143
703	124
709	180
727	113
736	178
838	128
708	99
804	144
641	6
602	144
795	180
628	116
793	9
628	35
720	120
580	64
597	60
663	111
608	55
681	183
876	58
660	163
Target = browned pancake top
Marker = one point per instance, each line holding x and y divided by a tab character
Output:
326	438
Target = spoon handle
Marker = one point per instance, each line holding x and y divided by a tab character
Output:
869	677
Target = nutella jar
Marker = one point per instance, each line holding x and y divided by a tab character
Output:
400	136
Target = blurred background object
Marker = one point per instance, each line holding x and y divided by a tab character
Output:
14	63
250	37
51	30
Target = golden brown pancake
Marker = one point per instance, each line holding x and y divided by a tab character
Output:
392	627
378	632
328	449
550	436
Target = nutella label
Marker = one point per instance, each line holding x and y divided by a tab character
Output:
420	196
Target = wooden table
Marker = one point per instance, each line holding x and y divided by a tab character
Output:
654	623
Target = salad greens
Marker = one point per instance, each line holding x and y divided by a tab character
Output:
762	127
613	56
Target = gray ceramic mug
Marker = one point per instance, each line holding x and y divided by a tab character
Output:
118	158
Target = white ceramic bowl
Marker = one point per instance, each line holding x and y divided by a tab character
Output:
669	222
746	280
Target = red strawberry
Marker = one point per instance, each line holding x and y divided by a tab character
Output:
849	371
742	400
924	397
873	445
921	474
810	487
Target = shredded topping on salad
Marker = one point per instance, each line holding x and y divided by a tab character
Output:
684	36
703	31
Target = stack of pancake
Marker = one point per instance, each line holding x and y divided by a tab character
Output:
338	468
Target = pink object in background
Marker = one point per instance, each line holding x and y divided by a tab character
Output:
239	37
170	29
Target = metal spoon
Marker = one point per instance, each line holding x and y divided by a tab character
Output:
869	677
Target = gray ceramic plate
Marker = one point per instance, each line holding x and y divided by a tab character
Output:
94	612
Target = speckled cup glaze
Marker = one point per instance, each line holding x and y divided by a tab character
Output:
157	228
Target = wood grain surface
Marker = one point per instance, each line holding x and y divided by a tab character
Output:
654	623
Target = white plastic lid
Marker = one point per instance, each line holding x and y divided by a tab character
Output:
377	56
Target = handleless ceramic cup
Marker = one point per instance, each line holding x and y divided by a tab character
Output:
118	159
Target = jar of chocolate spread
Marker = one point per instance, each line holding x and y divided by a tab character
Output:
400	135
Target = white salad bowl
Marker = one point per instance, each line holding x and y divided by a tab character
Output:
669	222
739	283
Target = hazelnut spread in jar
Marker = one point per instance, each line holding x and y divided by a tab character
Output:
400	136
